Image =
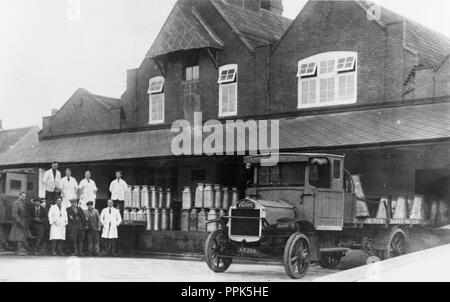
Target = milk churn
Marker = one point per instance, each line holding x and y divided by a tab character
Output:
217	196
141	215
234	196
128	197
393	205
199	196
148	216
193	220
164	220
171	220
208	197
187	198
226	198
136	197
401	208
152	219
153	198
419	210
156	222
133	215
442	216
160	198
145	202
212	226
126	215
201	220
185	220
168	199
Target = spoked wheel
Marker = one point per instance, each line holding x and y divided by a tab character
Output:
330	260
214	247
297	256
397	244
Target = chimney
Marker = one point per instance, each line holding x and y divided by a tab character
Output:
275	6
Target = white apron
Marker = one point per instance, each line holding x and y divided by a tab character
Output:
69	189
58	220
110	222
88	191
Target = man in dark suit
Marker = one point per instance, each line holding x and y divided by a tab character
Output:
76	227
2	220
37	222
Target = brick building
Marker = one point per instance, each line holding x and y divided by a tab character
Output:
344	77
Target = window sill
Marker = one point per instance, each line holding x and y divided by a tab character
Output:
156	123
325	105
221	116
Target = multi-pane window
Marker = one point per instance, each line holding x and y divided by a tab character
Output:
191	71
327	79
228	90
156	100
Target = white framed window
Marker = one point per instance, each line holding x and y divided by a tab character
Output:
327	79
156	100
228	90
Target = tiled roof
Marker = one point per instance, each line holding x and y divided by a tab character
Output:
11	138
407	124
183	30
432	47
257	28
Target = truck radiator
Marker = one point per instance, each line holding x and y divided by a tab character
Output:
245	226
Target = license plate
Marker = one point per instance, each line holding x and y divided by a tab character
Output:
247	250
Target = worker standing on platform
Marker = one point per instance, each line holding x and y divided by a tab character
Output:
93	228
118	188
110	220
88	191
69	189
52	184
2	221
57	217
76	227
19	228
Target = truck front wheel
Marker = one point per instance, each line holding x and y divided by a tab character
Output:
215	247
297	256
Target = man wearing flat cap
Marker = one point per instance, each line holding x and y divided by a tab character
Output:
93	227
76	227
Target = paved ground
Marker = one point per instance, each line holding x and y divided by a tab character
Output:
61	269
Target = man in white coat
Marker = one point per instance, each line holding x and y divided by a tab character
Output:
88	191
118	187
52	184
69	189
57	218
110	219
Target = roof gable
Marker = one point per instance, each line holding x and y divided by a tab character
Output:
13	137
183	30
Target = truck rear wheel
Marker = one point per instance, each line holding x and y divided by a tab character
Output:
397	244
297	256
214	247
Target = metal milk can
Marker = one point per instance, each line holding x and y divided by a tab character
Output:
141	216
148	216
193	220
212	215
126	215
187	198
208	197
160	198
171	220
136	197
152	219
128	199
164	220
226	198
168	199
185	220
153	198
234	196
199	196
201	221
156	223
145	202
217	197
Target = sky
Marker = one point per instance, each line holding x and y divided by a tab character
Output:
50	48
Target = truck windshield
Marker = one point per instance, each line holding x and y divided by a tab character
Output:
283	174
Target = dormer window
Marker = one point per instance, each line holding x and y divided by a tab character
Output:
327	79
191	71
228	90
156	100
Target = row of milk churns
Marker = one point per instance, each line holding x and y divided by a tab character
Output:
415	207
207	196
195	220
148	197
